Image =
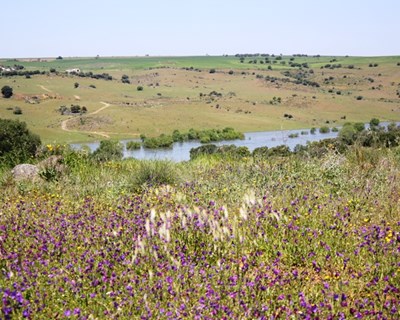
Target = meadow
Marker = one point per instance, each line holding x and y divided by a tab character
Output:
273	234
200	93
299	237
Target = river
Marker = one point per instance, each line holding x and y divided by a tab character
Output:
180	150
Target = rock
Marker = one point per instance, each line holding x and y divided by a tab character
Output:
25	172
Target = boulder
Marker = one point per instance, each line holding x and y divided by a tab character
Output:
25	172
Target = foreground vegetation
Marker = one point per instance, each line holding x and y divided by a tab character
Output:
306	235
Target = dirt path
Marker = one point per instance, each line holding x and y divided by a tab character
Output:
64	123
44	88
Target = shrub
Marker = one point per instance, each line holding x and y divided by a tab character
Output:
133	145
206	149
359	126
17	110
374	122
163	141
313	130
125	79
139	88
154	173
108	150
261	152
212	71
359	97
7	92
17	143
75	108
76	85
324	129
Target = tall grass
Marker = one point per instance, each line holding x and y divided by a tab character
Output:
212	238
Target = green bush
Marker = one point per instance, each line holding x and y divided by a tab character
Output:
133	145
163	141
17	143
7	92
261	152
154	173
206	149
108	150
324	129
374	122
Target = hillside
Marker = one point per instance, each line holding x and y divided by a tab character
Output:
198	92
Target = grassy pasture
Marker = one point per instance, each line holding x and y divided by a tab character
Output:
171	98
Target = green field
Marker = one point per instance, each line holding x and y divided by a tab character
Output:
176	94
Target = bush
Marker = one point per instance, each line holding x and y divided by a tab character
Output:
206	149
139	88
17	143
17	110
348	134
374	122
75	108
7	92
108	150
163	141
212	71
133	145
154	173
324	129
125	79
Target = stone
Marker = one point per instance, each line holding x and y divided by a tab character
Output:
25	172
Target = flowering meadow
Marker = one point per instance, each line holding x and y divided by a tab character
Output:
274	238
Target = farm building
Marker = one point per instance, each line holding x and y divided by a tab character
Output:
75	70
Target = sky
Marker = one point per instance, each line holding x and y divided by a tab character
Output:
85	28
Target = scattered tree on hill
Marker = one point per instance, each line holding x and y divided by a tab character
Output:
125	79
7	92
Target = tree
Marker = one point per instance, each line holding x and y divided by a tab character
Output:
108	151
17	143
7	92
374	122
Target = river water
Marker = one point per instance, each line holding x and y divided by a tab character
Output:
180	150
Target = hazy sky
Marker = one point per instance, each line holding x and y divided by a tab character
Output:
47	28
